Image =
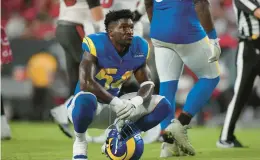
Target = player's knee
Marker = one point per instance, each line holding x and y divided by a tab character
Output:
83	113
85	105
85	98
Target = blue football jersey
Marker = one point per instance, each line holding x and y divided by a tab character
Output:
176	21
114	70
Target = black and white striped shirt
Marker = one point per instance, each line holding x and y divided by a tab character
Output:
248	24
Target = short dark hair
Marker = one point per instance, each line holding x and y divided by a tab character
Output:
113	16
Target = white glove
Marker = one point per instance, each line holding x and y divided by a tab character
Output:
127	111
215	49
121	109
136	111
124	108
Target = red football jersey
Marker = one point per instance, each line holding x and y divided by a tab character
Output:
6	52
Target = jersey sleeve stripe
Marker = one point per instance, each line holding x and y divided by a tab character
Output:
148	53
86	42
148	50
91	46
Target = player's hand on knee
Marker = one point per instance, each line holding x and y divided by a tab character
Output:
133	108
136	101
215	50
121	108
117	105
127	111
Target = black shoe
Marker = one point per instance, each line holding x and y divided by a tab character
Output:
65	129
229	144
6	138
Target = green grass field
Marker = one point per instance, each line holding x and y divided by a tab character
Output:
44	141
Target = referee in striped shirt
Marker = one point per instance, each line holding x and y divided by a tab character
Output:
248	66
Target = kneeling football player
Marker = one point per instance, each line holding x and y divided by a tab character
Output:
108	61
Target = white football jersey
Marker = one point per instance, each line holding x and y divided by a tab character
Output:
121	4
77	11
124	4
74	10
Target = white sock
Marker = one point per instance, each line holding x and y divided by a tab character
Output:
80	137
80	144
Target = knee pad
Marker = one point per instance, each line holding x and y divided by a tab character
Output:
85	99
85	105
82	103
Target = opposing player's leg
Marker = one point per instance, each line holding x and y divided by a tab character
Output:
5	128
169	67
70	37
195	56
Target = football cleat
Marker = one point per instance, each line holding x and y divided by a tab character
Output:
179	132
169	146
229	144
66	130
170	150
60	116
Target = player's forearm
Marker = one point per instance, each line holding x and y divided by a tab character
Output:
99	91
146	91
202	8
97	13
88	83
149	8
140	11
93	3
143	76
141	7
95	9
247	6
